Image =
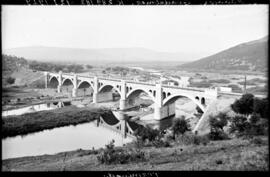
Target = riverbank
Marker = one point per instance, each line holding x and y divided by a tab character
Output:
235	154
38	121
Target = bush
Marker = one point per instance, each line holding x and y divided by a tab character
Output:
145	133
261	107
217	134
258	126
180	126
217	123
258	141
10	80
192	139
239	125
111	155
244	127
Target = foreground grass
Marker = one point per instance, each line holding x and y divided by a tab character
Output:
38	121
235	154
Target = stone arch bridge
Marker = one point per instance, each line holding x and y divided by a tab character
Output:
163	96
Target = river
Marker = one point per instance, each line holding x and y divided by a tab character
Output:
83	136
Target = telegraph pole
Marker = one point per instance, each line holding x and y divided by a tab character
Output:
245	83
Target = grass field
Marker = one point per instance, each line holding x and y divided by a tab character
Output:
229	155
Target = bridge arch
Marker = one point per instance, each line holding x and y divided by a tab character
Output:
139	91
85	88
108	87
174	97
67	81
84	84
53	82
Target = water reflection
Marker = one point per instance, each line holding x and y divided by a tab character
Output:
111	125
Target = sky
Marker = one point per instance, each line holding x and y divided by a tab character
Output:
204	29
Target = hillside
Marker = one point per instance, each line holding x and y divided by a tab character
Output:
250	56
12	63
97	56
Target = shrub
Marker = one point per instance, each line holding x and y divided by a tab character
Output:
261	107
257	141
180	126
244	105
160	143
192	139
239	125
111	155
217	134
147	133
244	127
258	126
10	80
217	123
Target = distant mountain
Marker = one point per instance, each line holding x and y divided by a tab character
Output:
249	56
96	56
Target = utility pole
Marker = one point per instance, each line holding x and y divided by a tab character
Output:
245	83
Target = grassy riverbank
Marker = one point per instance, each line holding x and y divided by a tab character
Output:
38	121
236	154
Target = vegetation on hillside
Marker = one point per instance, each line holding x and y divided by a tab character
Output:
45	66
250	56
12	63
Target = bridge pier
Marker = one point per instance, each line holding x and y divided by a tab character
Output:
46	79
123	124
95	93
74	90
122	104
60	82
123	101
158	102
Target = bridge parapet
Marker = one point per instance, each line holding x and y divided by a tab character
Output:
212	93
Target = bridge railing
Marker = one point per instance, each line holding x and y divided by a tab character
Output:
184	88
143	83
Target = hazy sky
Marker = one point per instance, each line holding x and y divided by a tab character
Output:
197	28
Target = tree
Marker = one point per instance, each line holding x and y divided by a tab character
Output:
10	80
244	105
180	126
239	124
89	66
217	123
261	107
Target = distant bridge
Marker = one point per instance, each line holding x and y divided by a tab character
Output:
163	96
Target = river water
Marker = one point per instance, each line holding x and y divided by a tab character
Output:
84	136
